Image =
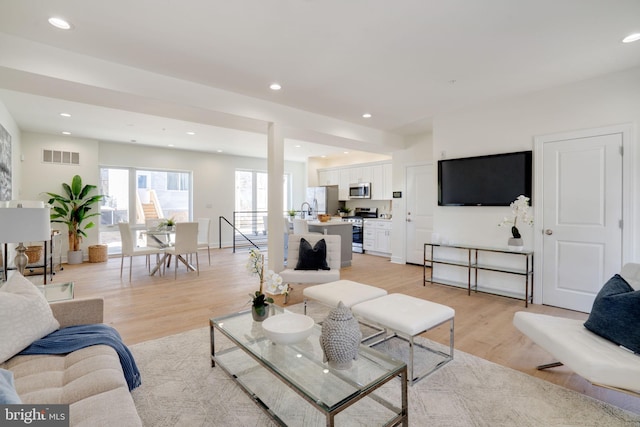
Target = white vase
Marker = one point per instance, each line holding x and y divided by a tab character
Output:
74	257
515	244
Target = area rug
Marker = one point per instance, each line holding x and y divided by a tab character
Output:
180	388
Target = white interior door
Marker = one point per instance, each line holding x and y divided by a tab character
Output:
419	215
582	213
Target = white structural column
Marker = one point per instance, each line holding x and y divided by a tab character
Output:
275	169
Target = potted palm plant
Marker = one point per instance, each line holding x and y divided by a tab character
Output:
73	210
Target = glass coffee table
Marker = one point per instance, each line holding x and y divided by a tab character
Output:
293	385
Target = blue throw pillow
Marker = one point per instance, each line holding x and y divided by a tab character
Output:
312	258
8	394
616	314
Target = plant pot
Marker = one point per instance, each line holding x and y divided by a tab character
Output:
74	257
260	313
515	244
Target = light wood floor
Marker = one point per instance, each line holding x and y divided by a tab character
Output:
152	307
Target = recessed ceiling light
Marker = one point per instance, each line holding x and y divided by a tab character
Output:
65	114
275	86
345	152
170	145
59	23
298	146
219	151
191	133
366	115
323	156
631	38
66	133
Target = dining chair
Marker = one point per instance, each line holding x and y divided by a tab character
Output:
301	226
204	235
130	250
186	243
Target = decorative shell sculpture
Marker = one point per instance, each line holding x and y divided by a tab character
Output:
340	337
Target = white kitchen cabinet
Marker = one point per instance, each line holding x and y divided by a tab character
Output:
377	237
343	186
323	177
387	173
378	174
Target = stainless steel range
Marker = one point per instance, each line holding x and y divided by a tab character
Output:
357	222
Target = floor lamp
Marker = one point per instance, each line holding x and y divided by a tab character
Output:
18	225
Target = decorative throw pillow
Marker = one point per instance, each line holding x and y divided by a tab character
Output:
616	314
312	258
8	393
25	316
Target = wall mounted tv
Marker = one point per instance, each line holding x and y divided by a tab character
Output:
495	180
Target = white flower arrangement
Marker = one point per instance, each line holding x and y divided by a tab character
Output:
274	284
520	210
273	281
255	264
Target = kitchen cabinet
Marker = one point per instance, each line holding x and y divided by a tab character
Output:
343	185
378	174
377	237
329	177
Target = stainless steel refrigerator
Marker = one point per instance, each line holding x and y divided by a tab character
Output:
324	198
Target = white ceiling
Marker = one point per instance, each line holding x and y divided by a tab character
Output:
404	61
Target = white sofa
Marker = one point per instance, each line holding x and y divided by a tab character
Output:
90	380
594	358
290	275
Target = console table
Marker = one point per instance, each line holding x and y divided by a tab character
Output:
48	260
472	265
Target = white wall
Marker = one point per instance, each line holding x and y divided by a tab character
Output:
213	174
419	151
511	125
39	177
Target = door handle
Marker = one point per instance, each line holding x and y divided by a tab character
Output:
408	219
548	232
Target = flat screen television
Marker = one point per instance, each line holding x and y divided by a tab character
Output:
494	180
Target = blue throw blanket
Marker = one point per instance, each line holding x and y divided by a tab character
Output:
74	338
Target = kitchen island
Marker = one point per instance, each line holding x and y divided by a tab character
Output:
338	227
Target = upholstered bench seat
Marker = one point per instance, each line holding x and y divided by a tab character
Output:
404	314
406	317
347	291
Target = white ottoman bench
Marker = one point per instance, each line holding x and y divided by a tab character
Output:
406	317
350	293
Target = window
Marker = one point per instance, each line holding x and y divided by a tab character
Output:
157	194
252	191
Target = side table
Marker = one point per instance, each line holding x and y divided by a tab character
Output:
57	291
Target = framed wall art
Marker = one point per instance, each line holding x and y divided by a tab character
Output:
5	164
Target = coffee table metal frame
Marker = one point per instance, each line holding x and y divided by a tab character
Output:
398	368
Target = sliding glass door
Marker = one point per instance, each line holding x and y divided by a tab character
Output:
137	195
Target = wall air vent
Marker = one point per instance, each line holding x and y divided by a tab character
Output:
60	157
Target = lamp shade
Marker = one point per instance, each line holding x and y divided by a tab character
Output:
24	225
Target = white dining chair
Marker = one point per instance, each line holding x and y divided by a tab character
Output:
300	226
204	235
186	243
130	250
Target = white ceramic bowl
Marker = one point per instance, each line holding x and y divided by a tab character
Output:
287	328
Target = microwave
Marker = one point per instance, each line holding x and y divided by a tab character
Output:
360	191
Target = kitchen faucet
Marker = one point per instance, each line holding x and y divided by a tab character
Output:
302	210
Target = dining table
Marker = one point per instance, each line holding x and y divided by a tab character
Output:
163	238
